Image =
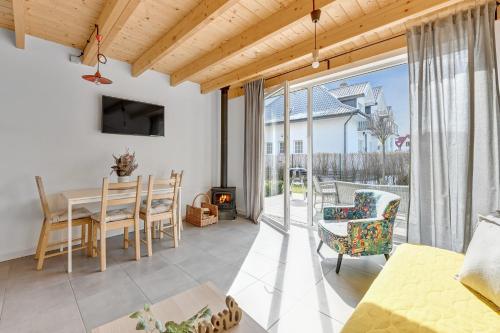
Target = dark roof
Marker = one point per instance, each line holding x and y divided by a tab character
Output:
345	90
324	104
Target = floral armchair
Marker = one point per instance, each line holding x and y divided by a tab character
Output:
362	229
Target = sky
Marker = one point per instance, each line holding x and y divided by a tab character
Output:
394	81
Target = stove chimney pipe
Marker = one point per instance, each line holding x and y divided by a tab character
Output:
223	136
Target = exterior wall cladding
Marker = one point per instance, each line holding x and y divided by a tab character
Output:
332	108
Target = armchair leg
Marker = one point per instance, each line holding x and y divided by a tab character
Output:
386	255
339	262
319	246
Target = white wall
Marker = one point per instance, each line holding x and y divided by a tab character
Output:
50	126
328	135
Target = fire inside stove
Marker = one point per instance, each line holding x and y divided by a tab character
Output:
223	198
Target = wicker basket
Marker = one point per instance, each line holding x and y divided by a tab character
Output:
203	215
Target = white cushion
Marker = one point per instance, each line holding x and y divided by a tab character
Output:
157	201
158	207
77	213
114	215
334	227
481	267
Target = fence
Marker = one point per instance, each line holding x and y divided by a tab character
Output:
353	167
345	192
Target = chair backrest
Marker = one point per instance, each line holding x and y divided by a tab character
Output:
153	183
376	203
114	188
43	197
317	187
180	173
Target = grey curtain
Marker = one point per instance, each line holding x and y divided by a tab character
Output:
454	106
253	165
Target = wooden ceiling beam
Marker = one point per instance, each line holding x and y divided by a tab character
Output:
19	23
268	27
395	13
111	20
368	54
195	20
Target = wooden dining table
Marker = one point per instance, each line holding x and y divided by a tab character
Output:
94	195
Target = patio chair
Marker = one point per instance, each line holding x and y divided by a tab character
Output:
326	191
297	176
362	229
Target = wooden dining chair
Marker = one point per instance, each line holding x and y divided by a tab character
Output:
180	173
180	226
160	207
156	224
57	220
112	219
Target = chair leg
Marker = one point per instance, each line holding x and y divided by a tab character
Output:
84	238
386	255
125	238
319	246
137	235
149	241
90	236
153	230
40	238
43	248
160	229
102	249
339	262
94	239
175	230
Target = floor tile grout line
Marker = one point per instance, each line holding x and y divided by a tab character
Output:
77	304
234	266
330	316
197	281
136	284
5	291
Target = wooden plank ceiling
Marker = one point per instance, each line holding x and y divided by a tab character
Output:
217	43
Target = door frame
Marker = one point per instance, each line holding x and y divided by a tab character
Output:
285	226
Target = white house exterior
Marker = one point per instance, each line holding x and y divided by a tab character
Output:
337	113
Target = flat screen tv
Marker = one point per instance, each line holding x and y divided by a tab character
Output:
121	116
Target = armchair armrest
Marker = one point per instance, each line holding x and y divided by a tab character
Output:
370	236
345	212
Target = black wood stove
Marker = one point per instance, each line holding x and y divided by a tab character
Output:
224	196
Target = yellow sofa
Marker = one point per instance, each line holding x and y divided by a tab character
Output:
417	292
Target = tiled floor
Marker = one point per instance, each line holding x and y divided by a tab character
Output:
279	280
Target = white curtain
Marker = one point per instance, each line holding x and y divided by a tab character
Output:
253	165
454	106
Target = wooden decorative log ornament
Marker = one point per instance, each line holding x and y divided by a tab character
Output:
224	320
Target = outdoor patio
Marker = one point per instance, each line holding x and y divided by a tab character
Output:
273	207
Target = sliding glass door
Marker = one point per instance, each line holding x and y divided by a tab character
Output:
321	145
298	156
276	159
287	135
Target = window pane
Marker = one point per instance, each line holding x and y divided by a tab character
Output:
282	147
274	118
269	148
361	140
298	156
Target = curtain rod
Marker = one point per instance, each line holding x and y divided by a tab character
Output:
336	56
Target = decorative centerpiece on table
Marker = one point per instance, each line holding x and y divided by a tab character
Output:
201	322
124	166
